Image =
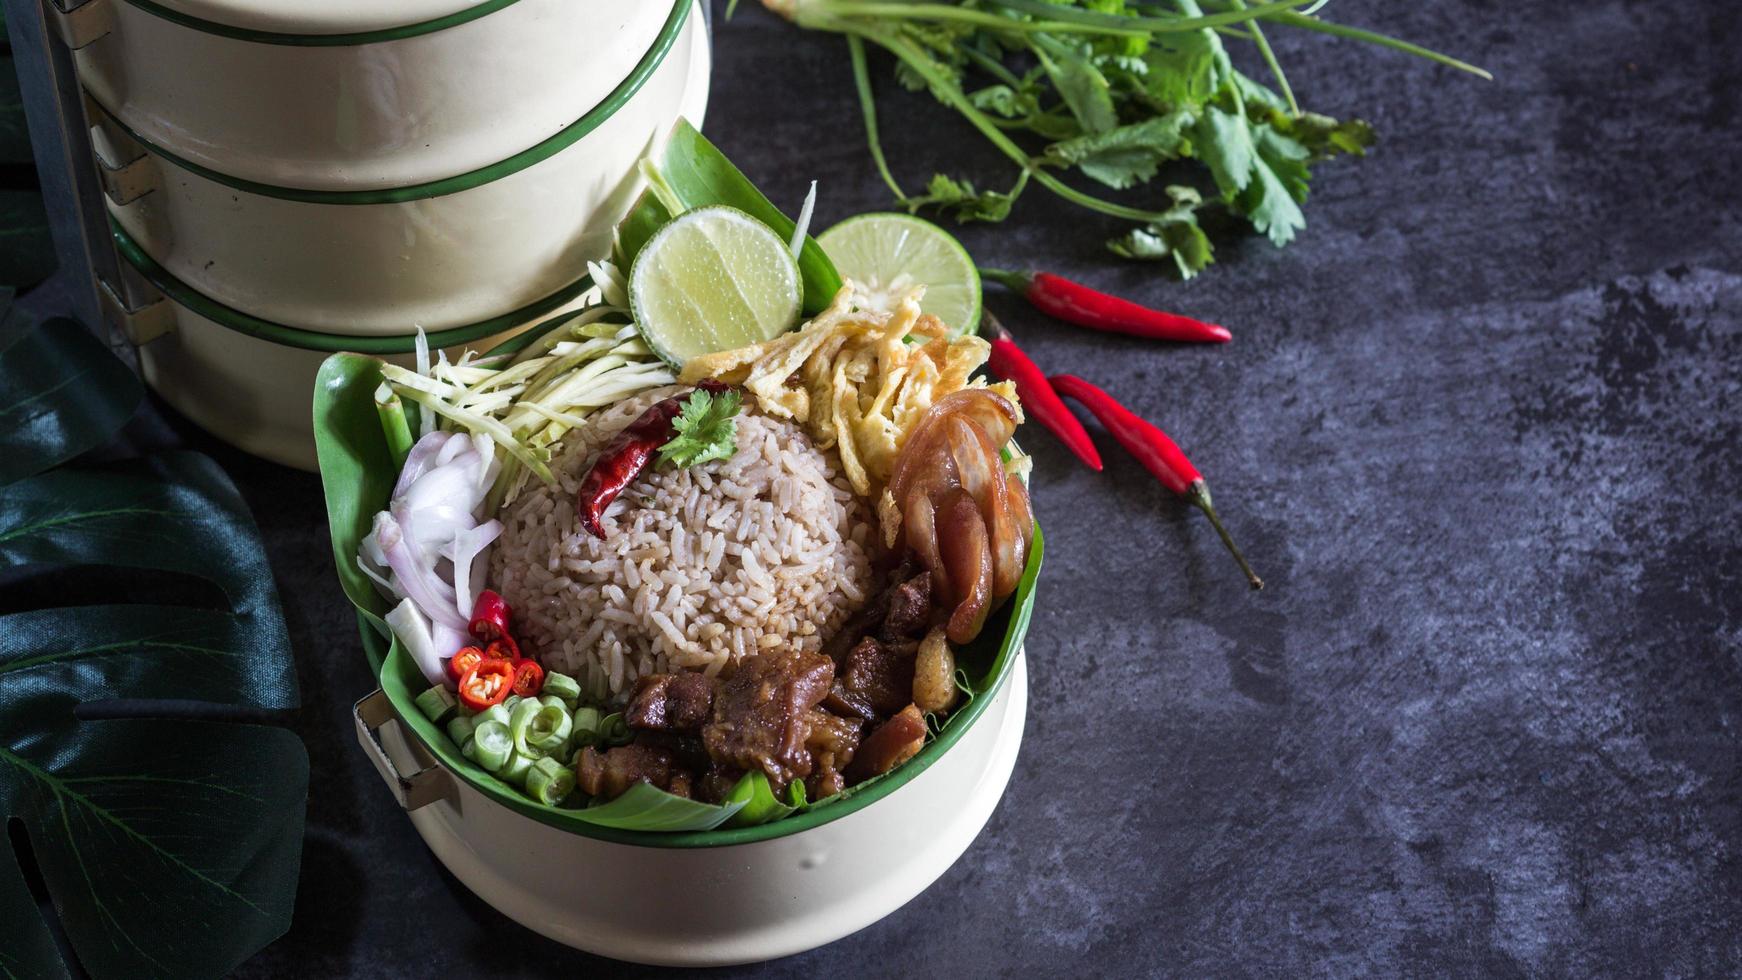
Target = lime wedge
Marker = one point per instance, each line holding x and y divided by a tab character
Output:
712	279
886	255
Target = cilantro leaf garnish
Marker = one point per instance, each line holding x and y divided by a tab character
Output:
707	429
1119	92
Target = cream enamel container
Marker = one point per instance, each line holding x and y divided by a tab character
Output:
453	251
710	906
339	95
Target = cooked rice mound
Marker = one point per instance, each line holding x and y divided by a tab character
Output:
699	567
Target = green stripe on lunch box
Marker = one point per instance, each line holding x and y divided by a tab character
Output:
204	26
538	153
330	343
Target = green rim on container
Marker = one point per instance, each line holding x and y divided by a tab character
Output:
323	40
331	343
1015	624
538	153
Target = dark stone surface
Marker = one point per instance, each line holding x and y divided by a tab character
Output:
1481	431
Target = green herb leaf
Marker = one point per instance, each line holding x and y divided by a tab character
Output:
960	200
1079	83
1128	155
1177	237
707	429
170	846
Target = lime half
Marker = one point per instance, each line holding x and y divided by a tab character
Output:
712	279
886	255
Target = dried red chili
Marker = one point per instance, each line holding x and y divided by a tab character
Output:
1158	454
1076	303
626	456
1039	401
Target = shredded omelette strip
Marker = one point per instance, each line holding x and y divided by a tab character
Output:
856	379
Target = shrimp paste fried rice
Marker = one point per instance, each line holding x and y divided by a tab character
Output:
699	567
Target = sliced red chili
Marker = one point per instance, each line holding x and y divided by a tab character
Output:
486	684
504	649
463	661
528	678
490	617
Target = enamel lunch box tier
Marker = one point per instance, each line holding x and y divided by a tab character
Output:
338	95
246	380
468	245
634	896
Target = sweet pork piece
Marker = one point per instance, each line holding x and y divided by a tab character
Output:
889	745
832	742
761	714
907	610
877	675
677	703
610	773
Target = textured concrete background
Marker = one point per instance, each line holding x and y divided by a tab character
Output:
1480	429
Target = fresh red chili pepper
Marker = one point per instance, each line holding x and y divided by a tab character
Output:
504	649
491	625
626	455
1039	401
1076	303
463	661
486	684
1158	454
528	678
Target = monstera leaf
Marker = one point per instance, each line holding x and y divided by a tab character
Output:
167	835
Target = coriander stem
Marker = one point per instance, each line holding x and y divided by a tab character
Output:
951	93
1269	57
868	109
991	66
960	15
1304	22
1151	25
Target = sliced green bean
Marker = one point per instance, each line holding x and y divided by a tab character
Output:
460	730
549	781
564	688
493	744
515	770
437	704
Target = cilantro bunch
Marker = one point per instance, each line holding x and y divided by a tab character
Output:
1111	91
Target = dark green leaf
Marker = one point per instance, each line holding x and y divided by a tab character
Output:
1128	155
61	392
1224	142
756	801
699	175
960	200
26	250
1177	239
170	847
645	218
1324	137
1079	83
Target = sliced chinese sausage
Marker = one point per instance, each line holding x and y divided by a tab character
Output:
983	476
919	518
967	558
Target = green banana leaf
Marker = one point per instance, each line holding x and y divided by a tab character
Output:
697	174
358	474
169	846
